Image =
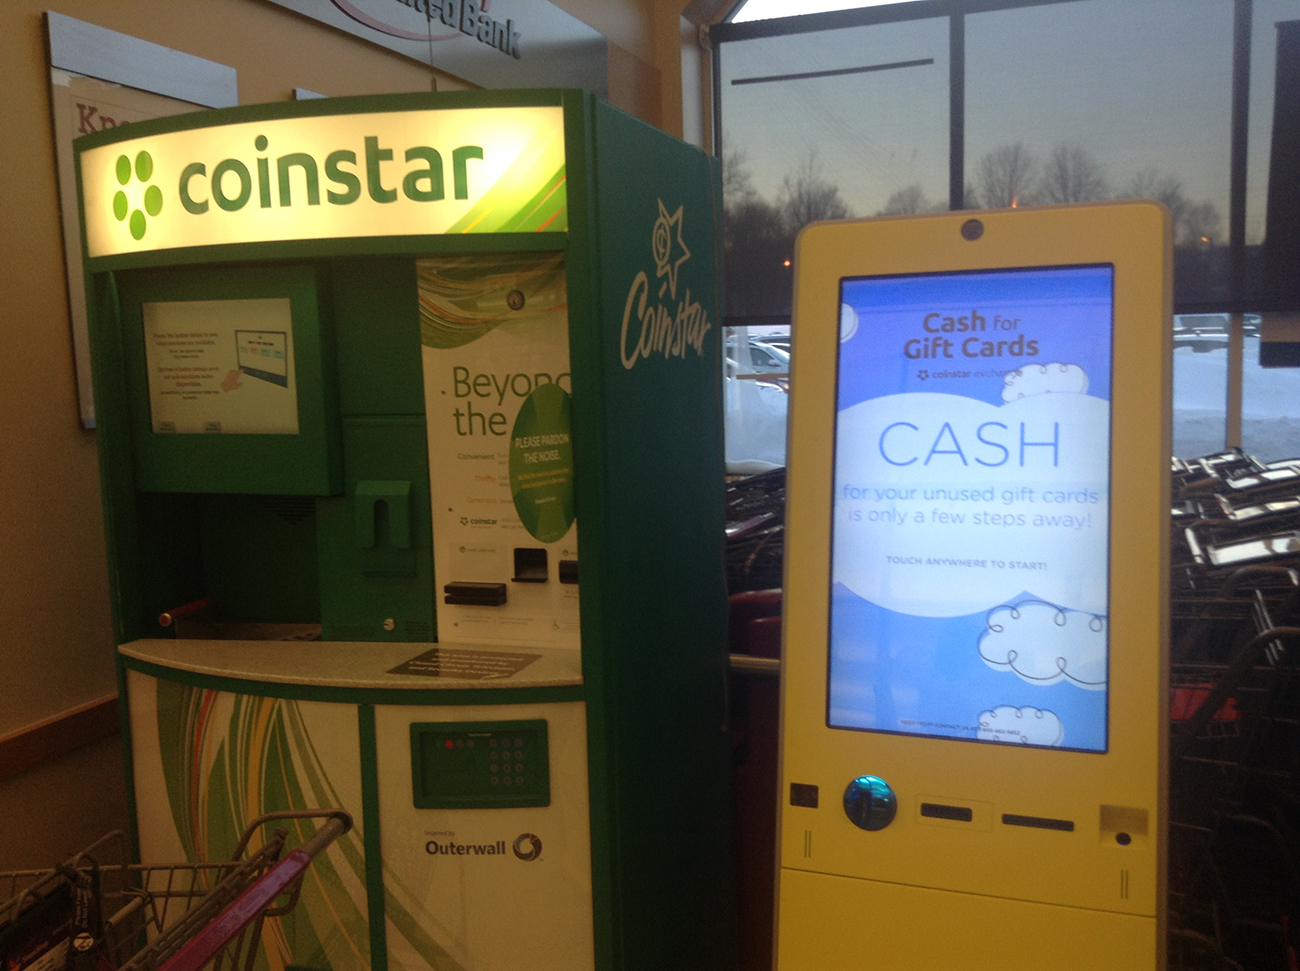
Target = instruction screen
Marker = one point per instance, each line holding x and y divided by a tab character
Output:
221	366
969	577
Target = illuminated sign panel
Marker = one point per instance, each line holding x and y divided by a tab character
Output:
476	170
969	594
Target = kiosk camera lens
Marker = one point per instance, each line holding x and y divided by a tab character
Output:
972	229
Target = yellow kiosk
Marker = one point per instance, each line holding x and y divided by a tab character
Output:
973	696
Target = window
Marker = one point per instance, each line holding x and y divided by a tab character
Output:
906	107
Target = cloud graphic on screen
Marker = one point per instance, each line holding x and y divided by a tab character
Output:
848	322
1044	379
1045	644
1020	726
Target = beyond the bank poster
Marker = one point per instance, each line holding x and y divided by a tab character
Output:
970	534
495	336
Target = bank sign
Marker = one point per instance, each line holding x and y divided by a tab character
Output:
401	173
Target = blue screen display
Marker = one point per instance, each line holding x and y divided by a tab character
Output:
970	523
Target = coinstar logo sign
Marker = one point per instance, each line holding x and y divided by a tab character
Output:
476	170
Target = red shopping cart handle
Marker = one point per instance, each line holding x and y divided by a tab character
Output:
241	912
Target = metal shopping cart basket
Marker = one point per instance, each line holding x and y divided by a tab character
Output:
157	917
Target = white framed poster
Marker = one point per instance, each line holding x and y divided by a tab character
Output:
101	79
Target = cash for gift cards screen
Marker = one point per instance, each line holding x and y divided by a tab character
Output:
970	516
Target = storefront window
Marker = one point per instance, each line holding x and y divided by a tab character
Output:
1058	102
1106	99
1270	402
850	122
756	390
1200	383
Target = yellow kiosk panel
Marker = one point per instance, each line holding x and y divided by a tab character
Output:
973	694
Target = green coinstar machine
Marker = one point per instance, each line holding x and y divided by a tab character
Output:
410	430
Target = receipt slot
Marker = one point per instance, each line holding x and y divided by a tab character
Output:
975	592
373	377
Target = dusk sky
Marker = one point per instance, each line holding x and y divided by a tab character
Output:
1141	84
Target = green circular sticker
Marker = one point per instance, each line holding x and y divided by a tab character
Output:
541	463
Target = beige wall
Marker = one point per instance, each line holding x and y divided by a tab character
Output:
55	643
53	811
645	58
56	649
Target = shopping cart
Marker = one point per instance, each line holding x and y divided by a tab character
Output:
1234	745
158	917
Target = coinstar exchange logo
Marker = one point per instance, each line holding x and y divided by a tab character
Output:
151	199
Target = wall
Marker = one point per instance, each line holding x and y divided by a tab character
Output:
56	650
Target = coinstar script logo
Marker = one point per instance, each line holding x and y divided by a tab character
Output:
477	170
656	323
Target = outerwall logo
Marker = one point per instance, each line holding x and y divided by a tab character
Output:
527	847
663	330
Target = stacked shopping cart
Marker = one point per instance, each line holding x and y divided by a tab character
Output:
1234	787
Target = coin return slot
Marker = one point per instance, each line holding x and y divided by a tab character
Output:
1038	822
530	565
1124	825
937	810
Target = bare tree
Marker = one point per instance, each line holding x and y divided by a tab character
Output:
1071	174
1201	226
737	181
1163	187
907	200
1006	176
755	242
1195	223
806	197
